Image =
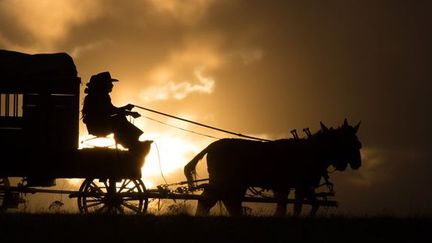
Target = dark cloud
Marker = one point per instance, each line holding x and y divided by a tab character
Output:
390	182
10	32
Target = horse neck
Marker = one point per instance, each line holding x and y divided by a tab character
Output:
318	148
312	146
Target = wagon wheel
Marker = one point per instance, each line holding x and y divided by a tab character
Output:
4	184
111	196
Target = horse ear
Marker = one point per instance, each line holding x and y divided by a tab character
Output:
356	128
345	123
323	127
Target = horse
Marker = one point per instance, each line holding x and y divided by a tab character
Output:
280	165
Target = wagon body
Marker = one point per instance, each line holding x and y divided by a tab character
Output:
39	123
83	163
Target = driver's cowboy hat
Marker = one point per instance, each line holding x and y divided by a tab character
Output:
102	77
99	81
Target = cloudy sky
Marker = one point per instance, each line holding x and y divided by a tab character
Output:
260	68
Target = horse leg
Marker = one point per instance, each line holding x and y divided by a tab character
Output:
233	201
314	202
234	207
314	209
298	205
207	201
281	207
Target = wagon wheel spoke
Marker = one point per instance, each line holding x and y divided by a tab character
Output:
114	209
120	209
106	186
90	203
94	186
130	199
94	204
124	185
110	209
133	188
131	207
94	200
101	209
110	197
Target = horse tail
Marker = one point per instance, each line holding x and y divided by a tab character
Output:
189	169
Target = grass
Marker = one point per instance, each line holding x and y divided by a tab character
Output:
19	227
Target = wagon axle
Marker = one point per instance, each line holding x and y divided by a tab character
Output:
131	196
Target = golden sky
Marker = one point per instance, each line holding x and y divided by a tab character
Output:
260	68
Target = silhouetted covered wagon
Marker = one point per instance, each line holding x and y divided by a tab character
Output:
39	119
39	130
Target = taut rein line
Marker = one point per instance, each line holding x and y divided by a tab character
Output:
203	125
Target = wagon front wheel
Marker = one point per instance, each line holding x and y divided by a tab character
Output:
110	196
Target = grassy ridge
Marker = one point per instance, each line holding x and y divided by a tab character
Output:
104	228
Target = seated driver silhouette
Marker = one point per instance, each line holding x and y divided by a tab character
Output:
103	118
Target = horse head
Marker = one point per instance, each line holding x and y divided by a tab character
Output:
342	145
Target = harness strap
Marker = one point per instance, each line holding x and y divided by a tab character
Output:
327	182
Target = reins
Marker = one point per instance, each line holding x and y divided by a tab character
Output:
202	125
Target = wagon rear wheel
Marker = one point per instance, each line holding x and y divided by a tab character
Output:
4	184
112	196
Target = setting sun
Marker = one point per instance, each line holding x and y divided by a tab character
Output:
170	151
167	156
